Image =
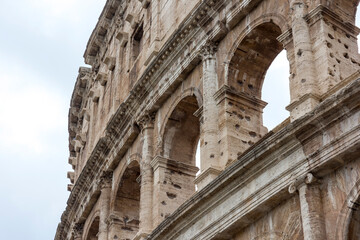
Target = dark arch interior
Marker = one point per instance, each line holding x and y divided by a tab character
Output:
93	230
182	132
253	57
127	203
354	226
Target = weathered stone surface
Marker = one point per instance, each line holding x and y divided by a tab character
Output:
166	76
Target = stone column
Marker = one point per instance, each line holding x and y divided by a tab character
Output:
311	209
209	149
104	202
78	231
146	187
304	96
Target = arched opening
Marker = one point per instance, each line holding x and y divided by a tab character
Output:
252	59
182	132
276	91
127	204
248	66
175	170
354	226
93	230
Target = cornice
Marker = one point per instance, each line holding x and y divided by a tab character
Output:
322	12
97	37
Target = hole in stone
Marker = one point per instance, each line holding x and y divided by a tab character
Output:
252	134
250	86
171	195
348	35
346	46
230	103
353	61
212	156
221	154
334	28
338	60
346	55
331	36
329	45
240	82
237	126
303	80
299	52
247	118
163	203
339	40
177	186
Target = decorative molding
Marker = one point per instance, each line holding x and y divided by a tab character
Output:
169	164
78	230
106	179
208	51
322	12
147	120
239	97
308	179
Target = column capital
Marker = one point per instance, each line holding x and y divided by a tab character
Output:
309	179
106	179
78	230
147	120
208	51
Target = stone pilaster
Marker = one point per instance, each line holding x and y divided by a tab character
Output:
146	124
311	208
209	129
104	202
240	123
115	225
78	231
303	78
173	185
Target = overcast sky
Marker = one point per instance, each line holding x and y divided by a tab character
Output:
41	47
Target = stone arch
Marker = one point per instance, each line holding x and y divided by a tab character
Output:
182	131
132	160
275	18
246	49
175	168
124	217
92	228
348	221
189	92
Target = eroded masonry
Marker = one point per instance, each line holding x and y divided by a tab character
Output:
167	74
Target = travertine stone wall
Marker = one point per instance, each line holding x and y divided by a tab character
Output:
167	76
